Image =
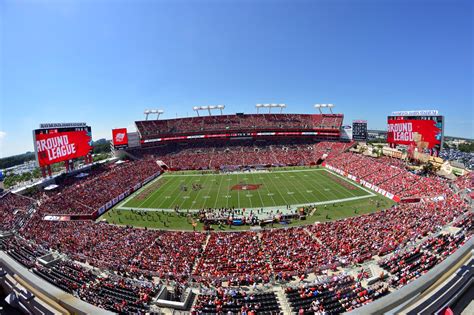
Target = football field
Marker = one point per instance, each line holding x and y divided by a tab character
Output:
250	190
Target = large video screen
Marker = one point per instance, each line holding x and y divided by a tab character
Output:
422	131
359	130
120	138
61	144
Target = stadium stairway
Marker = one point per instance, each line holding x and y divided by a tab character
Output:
281	298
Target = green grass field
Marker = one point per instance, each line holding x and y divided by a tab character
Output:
173	221
275	189
334	197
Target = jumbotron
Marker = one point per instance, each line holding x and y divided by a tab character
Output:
267	213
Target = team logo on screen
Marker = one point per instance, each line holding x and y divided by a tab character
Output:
119	137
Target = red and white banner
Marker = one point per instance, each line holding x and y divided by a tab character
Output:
61	146
119	137
244	134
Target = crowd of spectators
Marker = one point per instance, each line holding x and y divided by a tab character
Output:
239	123
466	182
245	257
465	158
22	251
242	258
218	155
92	192
120	295
67	275
237	257
295	252
410	263
389	175
408	266
172	255
332	295
14	210
234	301
357	239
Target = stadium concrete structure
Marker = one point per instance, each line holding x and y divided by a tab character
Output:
59	256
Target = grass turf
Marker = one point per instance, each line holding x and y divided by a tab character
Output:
278	188
173	221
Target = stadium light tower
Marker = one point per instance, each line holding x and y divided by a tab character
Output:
146	112
330	106
209	108
320	106
281	107
158	112
270	106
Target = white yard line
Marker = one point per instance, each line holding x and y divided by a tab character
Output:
258	192
321	189
299	192
265	208
353	183
276	186
134	194
218	193
370	193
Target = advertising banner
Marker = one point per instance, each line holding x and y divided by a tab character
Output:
53	147
119	137
411	132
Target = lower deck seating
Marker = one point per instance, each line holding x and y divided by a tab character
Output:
237	302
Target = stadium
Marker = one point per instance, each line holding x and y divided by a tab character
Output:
267	213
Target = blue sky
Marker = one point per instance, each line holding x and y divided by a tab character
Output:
104	62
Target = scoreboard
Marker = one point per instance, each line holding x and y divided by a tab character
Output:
359	130
423	130
55	143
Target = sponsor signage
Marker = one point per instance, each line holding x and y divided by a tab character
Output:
120	138
62	125
428	112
